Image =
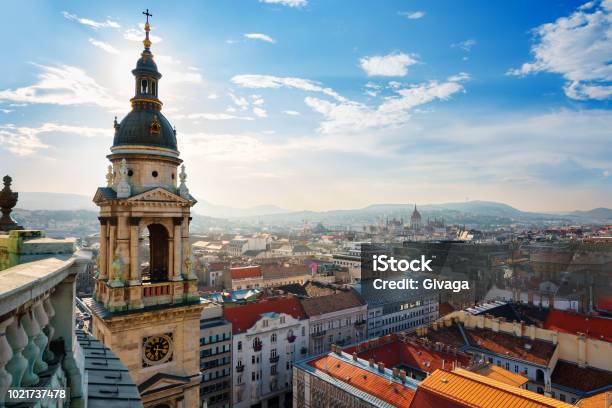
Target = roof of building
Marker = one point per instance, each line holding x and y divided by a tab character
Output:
462	388
284	270
420	355
584	379
499	374
135	129
309	289
535	351
569	322
445	308
243	317
342	299
601	400
246	272
369	381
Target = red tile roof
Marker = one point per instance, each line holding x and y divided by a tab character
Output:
393	352
538	351
569	322
580	378
243	317
393	393
445	308
246	272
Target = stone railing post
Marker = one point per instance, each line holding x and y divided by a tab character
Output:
6	353
31	351
42	341
49	330
18	339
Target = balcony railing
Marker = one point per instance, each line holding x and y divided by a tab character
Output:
291	339
319	333
156	294
274	359
239	368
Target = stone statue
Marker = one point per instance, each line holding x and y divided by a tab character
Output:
110	176
117	267
183	190
123	187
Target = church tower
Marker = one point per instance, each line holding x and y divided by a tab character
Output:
145	305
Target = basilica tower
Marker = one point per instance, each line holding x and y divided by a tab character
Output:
146	306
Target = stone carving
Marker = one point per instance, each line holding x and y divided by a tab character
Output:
8	200
6	353
123	187
31	351
18	339
49	330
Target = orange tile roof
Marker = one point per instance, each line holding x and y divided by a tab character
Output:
568	322
601	400
499	374
243	317
539	352
445	308
246	272
462	388
393	393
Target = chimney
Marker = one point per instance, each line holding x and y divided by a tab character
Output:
371	362
581	339
395	372
532	332
555	338
355	356
495	325
518	329
403	376
381	366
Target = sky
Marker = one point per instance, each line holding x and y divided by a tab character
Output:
322	104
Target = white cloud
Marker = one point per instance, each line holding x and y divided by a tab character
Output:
465	45
91	23
579	48
350	116
138	34
238	148
260	37
289	3
25	141
274	82
63	85
103	46
213	96
174	74
212	116
387	65
260	112
291	113
240	101
412	15
6	110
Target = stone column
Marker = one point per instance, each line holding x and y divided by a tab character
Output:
103	254
123	246
178	249
6	353
112	235
18	339
134	252
31	351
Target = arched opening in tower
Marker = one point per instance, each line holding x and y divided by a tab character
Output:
154	251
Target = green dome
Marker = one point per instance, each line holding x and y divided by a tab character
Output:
147	127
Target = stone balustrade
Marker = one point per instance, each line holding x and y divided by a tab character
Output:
36	316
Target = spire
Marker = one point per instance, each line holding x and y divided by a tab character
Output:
147	41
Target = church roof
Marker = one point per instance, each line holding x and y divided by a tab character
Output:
136	129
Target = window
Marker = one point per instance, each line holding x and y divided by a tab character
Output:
144	86
507	366
273	353
282	319
562	397
252	359
273	338
265	323
273	369
516	368
253	376
240	346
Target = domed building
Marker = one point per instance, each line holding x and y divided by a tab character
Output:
146	306
415	219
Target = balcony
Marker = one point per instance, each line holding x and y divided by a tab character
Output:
360	323
37	309
317	334
239	368
274	359
257	347
291	339
156	294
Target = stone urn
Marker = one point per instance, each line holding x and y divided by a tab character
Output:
8	200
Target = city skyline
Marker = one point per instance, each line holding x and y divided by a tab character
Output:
312	105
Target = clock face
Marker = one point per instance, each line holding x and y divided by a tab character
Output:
157	349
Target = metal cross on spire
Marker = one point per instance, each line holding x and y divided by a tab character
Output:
146	13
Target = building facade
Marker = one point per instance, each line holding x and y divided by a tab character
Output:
269	336
215	357
145	305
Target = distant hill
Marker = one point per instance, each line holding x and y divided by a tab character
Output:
221	211
54	201
597	214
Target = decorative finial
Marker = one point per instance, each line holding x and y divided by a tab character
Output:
183	190
115	124
8	200
123	187
147	42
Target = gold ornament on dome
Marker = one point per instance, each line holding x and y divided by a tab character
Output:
155	127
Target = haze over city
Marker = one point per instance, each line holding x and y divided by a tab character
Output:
316	105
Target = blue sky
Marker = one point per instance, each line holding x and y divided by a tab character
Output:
311	104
